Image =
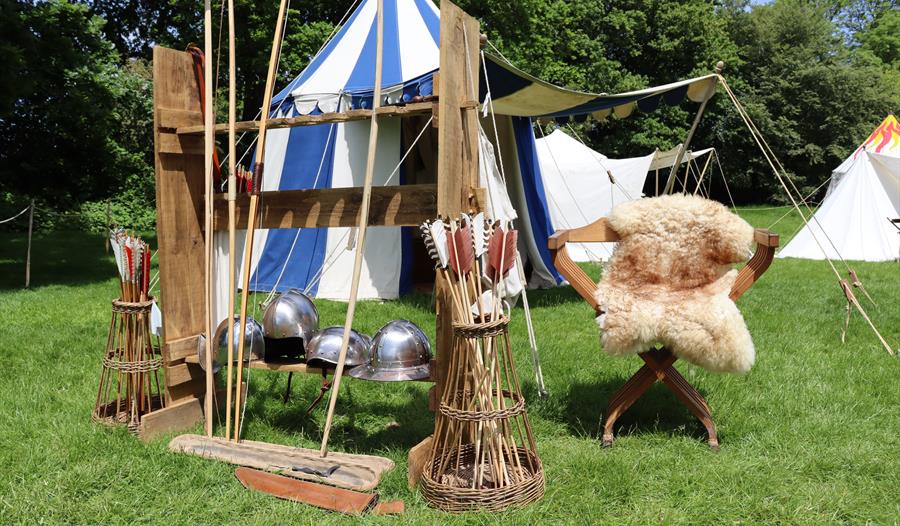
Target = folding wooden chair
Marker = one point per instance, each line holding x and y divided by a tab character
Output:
658	363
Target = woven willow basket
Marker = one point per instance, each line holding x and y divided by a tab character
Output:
483	455
450	494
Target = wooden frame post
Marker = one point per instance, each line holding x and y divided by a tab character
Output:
179	226
457	168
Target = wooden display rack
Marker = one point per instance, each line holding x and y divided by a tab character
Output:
179	149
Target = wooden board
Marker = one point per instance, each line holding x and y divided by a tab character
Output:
357	472
179	416
407	205
285	367
181	348
415	108
418	455
458	130
179	193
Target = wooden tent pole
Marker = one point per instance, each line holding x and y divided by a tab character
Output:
208	144
703	173
254	202
363	222
28	250
232	191
670	183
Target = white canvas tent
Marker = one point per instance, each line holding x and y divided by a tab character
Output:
579	190
853	220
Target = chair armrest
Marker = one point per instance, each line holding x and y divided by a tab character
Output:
558	240
580	281
766	243
766	238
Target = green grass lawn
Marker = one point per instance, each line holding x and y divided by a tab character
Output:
810	436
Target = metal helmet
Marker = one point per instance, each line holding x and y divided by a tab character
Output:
400	351
324	348
254	344
291	315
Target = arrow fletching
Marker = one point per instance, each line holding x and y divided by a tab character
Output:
436	251
480	233
461	251
501	253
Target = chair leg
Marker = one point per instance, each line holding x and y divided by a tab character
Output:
694	401
627	395
659	365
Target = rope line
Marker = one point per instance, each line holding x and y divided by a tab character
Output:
15	216
773	161
529	324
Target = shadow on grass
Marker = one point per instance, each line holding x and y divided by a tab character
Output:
57	258
582	409
401	417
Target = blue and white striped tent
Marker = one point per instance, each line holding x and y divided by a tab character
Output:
341	77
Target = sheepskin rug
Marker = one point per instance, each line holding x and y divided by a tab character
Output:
668	282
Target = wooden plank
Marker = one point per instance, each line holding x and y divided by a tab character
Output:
284	367
193	389
358	472
407	205
458	131
183	373
179	192
182	348
172	118
415	108
281	367
311	493
176	144
418	455
180	416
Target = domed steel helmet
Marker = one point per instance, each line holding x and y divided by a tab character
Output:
324	348
400	351
291	315
254	344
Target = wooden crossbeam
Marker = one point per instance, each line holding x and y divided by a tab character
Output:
407	205
415	108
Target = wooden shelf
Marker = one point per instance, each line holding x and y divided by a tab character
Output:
406	205
415	108
293	366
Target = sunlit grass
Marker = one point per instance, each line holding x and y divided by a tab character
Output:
811	435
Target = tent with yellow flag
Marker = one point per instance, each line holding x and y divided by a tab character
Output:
854	220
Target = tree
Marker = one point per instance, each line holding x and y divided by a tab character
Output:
58	138
813	98
882	39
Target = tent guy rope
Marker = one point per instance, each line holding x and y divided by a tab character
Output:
777	168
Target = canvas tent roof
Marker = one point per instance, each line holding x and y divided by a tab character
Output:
852	221
341	76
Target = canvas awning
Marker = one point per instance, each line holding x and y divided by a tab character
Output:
517	93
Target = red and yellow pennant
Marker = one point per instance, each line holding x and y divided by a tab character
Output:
885	138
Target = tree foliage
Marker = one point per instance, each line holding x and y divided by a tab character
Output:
75	104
